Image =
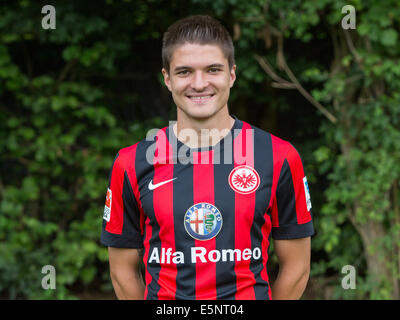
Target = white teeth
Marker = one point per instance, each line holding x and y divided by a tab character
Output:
200	98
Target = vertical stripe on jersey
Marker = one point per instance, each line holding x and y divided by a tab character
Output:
225	198
279	149
105	223
297	174
286	203
117	209
131	173
151	240
163	202
203	191
244	215
146	231
123	228
183	200
261	228
146	244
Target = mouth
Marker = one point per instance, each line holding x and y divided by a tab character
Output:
200	99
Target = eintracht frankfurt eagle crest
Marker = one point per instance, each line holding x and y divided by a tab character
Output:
244	179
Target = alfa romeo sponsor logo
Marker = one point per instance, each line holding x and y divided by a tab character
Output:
203	221
244	179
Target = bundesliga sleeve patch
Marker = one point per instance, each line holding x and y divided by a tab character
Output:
107	207
307	191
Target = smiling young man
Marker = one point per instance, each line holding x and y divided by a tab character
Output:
200	199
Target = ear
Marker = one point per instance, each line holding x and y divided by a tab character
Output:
232	75
167	80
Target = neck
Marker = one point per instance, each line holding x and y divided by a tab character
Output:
199	132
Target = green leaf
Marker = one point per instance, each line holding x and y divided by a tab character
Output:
389	37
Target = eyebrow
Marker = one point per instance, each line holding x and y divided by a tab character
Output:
214	65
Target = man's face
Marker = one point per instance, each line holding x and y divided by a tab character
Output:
199	80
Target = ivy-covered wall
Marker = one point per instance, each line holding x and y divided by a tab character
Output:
70	97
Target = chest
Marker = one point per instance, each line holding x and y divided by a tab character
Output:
199	195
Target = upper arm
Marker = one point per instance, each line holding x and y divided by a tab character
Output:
294	252
123	260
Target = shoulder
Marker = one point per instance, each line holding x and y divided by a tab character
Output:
128	156
281	148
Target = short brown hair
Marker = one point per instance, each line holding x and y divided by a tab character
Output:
199	29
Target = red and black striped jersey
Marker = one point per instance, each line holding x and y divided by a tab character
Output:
205	216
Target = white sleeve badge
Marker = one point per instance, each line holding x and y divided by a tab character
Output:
307	191
107	207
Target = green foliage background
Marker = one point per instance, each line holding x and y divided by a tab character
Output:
71	97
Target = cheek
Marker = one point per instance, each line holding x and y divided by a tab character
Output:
178	87
224	85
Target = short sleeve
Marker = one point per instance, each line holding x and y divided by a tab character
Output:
121	219
292	217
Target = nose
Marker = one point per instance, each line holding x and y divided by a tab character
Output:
199	81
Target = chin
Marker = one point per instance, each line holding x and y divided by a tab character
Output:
200	114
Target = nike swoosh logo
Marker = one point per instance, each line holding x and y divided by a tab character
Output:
155	186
